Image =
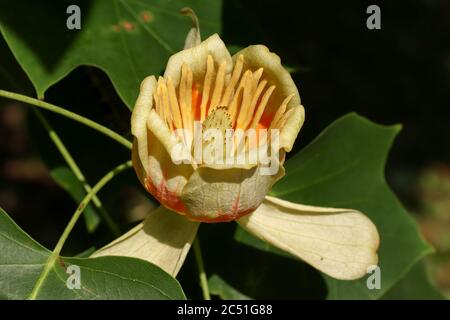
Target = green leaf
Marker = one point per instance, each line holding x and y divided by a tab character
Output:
22	260
344	167
414	286
69	182
127	39
219	287
12	76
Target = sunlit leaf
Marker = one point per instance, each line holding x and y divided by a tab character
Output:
128	39
22	261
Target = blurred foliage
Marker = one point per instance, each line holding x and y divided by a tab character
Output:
433	191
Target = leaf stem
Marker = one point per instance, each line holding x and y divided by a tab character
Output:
68	114
77	172
201	269
55	254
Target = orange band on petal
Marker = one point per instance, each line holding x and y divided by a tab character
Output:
166	197
196	101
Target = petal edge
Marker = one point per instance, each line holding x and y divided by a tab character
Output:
339	242
163	239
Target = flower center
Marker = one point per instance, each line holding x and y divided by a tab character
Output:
241	99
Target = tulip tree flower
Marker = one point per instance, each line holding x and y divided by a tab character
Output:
251	90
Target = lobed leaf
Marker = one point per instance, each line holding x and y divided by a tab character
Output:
344	168
127	39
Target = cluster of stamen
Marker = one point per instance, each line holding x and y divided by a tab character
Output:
244	94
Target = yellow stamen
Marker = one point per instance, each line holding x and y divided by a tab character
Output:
255	98
218	86
285	117
257	76
206	86
163	112
187	113
262	106
232	109
172	116
234	79
175	109
246	101
280	112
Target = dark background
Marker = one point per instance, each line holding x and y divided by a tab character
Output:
399	74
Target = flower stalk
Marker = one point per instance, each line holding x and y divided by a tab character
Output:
201	269
62	240
114	228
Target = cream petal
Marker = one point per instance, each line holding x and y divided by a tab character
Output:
166	178
139	117
152	150
290	130
196	57
162	133
339	242
137	163
213	195
164	239
259	56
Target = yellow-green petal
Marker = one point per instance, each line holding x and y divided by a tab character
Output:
164	239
